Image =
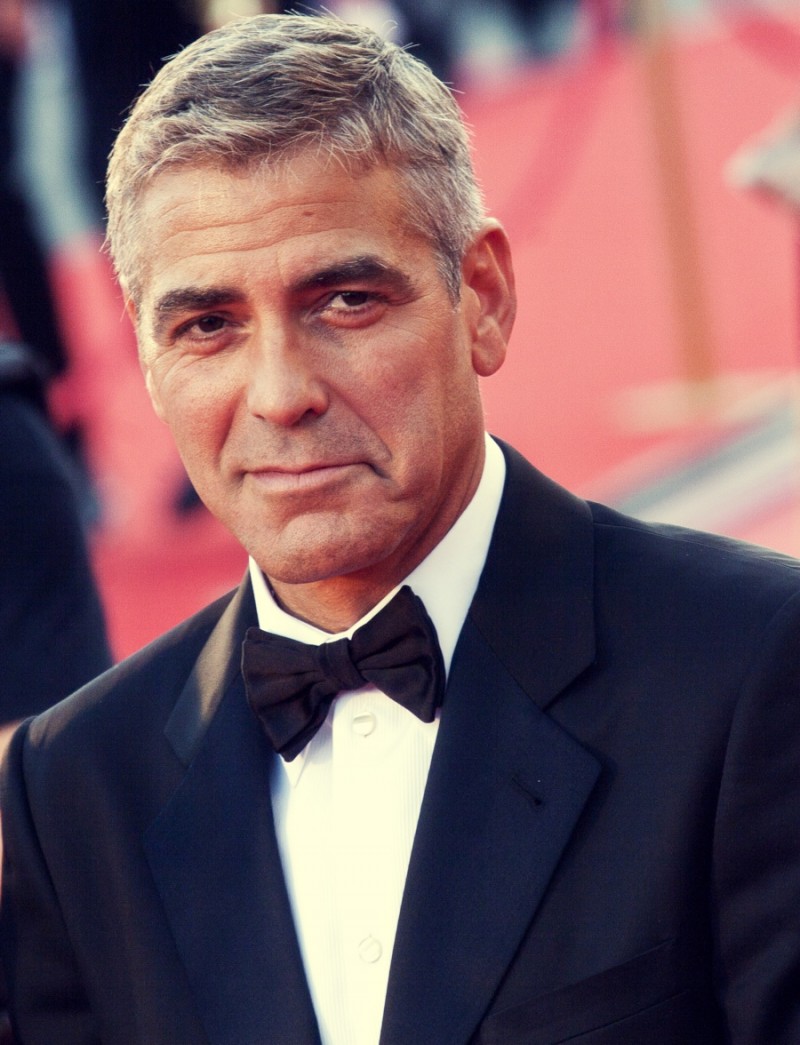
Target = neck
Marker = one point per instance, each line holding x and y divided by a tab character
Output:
333	605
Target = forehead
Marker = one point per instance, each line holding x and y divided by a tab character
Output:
196	221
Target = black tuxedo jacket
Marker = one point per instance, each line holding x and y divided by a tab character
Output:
608	851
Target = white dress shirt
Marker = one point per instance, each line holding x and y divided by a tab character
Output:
346	808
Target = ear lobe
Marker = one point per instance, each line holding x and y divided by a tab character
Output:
133	315
148	381
152	391
488	277
130	308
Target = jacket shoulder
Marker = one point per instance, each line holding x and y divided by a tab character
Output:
139	690
708	556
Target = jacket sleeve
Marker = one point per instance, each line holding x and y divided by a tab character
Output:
756	880
47	1000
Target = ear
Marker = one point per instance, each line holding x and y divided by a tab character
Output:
489	298
130	308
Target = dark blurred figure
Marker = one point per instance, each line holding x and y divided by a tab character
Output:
23	270
52	631
120	45
544	24
430	26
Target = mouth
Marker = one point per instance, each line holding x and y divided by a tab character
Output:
301	479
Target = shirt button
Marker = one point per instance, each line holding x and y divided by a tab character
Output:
370	950
364	724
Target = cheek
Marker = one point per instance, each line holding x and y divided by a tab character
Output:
427	404
198	413
403	416
402	388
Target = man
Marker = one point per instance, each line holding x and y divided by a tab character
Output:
590	835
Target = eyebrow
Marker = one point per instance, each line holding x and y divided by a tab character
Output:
364	268
190	299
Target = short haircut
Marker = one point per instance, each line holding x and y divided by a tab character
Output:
261	90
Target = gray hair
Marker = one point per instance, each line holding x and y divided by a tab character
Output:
263	89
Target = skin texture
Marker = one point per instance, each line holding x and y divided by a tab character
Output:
318	378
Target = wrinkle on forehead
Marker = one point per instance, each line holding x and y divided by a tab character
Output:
247	220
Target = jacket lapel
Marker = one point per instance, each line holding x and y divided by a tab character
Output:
507	784
215	860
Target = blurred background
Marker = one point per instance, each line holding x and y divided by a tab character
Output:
644	156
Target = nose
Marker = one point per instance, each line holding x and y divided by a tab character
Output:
283	385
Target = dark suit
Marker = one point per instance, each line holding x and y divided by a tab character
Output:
608	850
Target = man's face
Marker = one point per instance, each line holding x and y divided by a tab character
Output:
319	380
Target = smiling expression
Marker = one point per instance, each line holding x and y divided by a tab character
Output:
318	378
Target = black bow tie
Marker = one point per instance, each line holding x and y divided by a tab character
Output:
290	685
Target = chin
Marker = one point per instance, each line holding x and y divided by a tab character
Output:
321	562
318	547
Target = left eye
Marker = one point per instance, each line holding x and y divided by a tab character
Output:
352	308
352	298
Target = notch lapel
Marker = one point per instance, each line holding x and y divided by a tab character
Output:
507	784
215	860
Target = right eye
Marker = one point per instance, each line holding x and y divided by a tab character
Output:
206	324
